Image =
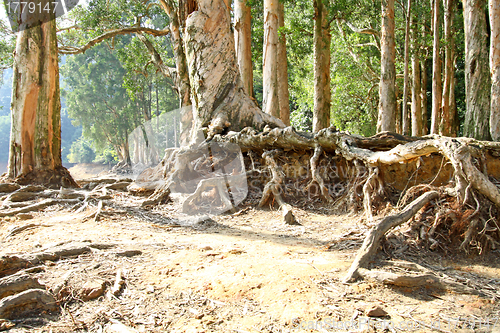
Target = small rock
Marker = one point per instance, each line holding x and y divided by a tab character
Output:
206	248
92	290
376	311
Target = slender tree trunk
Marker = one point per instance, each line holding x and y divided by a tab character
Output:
387	93
416	90
494	6
270	99
406	86
322	92
243	42
283	93
219	100
35	143
423	96
446	125
182	84
477	76
437	85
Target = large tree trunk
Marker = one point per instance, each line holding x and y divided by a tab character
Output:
219	100
243	42
495	69
283	93
387	89
322	92
447	117
423	95
437	84
477	76
406	86
270	99
35	144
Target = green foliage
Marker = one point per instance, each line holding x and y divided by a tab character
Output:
81	152
106	156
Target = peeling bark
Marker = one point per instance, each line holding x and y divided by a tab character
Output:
494	6
35	143
283	93
477	76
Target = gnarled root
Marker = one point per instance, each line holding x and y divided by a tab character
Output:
316	176
273	187
372	240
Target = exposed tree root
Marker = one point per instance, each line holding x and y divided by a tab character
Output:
273	188
372	240
316	177
18	229
18	282
38	206
29	300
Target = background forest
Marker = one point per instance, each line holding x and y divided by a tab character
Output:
114	87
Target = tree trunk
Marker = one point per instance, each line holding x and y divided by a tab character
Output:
217	93
477	78
182	84
494	6
405	115
243	42
423	95
387	89
270	98
437	84
322	92
416	101
283	94
35	143
446	125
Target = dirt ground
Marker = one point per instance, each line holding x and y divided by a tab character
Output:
242	272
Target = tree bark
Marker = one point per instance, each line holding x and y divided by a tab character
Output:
270	99
387	89
35	143
437	84
322	93
219	100
405	115
182	80
423	95
416	101
447	117
283	93
243	42
477	78
494	6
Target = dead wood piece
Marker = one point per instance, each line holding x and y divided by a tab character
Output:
118	186
118	285
426	279
12	264
96	215
18	282
30	300
18	229
160	195
9	187
372	240
32	188
38	206
21	196
128	253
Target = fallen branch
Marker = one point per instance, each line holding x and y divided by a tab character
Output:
118	285
372	240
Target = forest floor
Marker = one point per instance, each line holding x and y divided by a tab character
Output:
240	272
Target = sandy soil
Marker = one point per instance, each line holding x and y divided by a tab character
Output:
243	272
